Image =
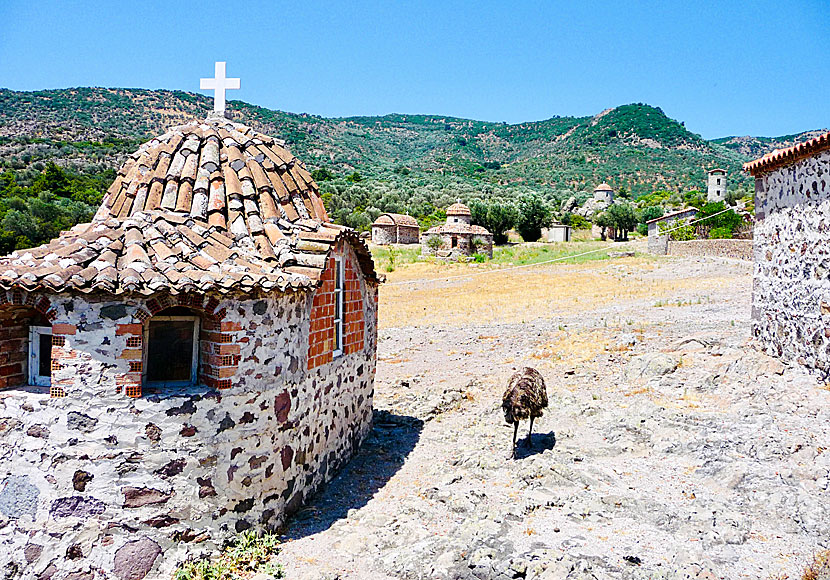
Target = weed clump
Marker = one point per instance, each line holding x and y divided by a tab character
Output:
249	553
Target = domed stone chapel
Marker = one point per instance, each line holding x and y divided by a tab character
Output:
194	362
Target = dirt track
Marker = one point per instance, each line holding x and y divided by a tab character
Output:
671	448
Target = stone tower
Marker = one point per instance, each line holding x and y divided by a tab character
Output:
717	185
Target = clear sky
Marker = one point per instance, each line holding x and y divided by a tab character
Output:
725	68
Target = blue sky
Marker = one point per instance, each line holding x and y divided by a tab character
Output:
725	68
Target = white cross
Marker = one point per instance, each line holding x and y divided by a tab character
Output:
219	84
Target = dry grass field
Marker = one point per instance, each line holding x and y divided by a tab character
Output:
424	294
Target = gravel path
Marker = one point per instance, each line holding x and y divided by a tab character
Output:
671	449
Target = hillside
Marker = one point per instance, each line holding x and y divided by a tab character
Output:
411	163
754	147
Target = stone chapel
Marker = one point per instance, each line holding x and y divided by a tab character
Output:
194	362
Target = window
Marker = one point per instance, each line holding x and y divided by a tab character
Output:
172	354
454	242
40	355
338	306
718	180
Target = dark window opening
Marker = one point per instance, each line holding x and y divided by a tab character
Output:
454	242
45	355
172	350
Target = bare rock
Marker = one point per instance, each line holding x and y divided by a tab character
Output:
76	506
134	560
140	496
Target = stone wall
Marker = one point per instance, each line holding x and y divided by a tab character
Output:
791	284
391	234
463	245
738	249
657	244
409	234
384	235
98	485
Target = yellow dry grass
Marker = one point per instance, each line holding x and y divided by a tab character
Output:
428	297
573	348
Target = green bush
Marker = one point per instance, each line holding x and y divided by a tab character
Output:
720	233
682	233
495	216
534	215
479	258
434	242
249	553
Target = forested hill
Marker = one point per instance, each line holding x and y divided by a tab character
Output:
408	163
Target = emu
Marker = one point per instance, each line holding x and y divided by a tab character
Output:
524	398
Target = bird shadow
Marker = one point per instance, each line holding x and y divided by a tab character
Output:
392	439
541	442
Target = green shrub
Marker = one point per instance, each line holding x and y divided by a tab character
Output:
534	215
720	233
249	553
479	258
434	242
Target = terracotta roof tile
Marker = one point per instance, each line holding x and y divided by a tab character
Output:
458	209
781	157
390	219
211	205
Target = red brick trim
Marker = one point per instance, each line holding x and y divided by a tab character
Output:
321	336
17	308
218	348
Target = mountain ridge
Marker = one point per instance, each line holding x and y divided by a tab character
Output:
635	147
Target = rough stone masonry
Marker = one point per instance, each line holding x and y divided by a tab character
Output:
791	285
99	484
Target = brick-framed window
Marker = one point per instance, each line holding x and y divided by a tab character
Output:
19	311
171	358
216	350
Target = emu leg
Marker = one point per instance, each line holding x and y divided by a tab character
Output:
515	432
530	435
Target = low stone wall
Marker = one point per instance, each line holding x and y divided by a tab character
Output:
739	249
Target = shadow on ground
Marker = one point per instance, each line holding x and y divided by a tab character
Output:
541	443
392	438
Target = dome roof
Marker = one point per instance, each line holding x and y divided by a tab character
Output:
463	229
458	209
603	187
219	171
391	219
208	206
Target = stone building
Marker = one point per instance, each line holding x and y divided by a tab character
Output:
395	228
717	185
659	244
558	233
194	362
791	288
604	193
601	200
458	236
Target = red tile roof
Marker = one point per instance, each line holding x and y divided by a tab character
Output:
391	219
781	157
459	228
208	206
673	214
458	209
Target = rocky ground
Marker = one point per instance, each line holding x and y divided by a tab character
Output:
671	448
